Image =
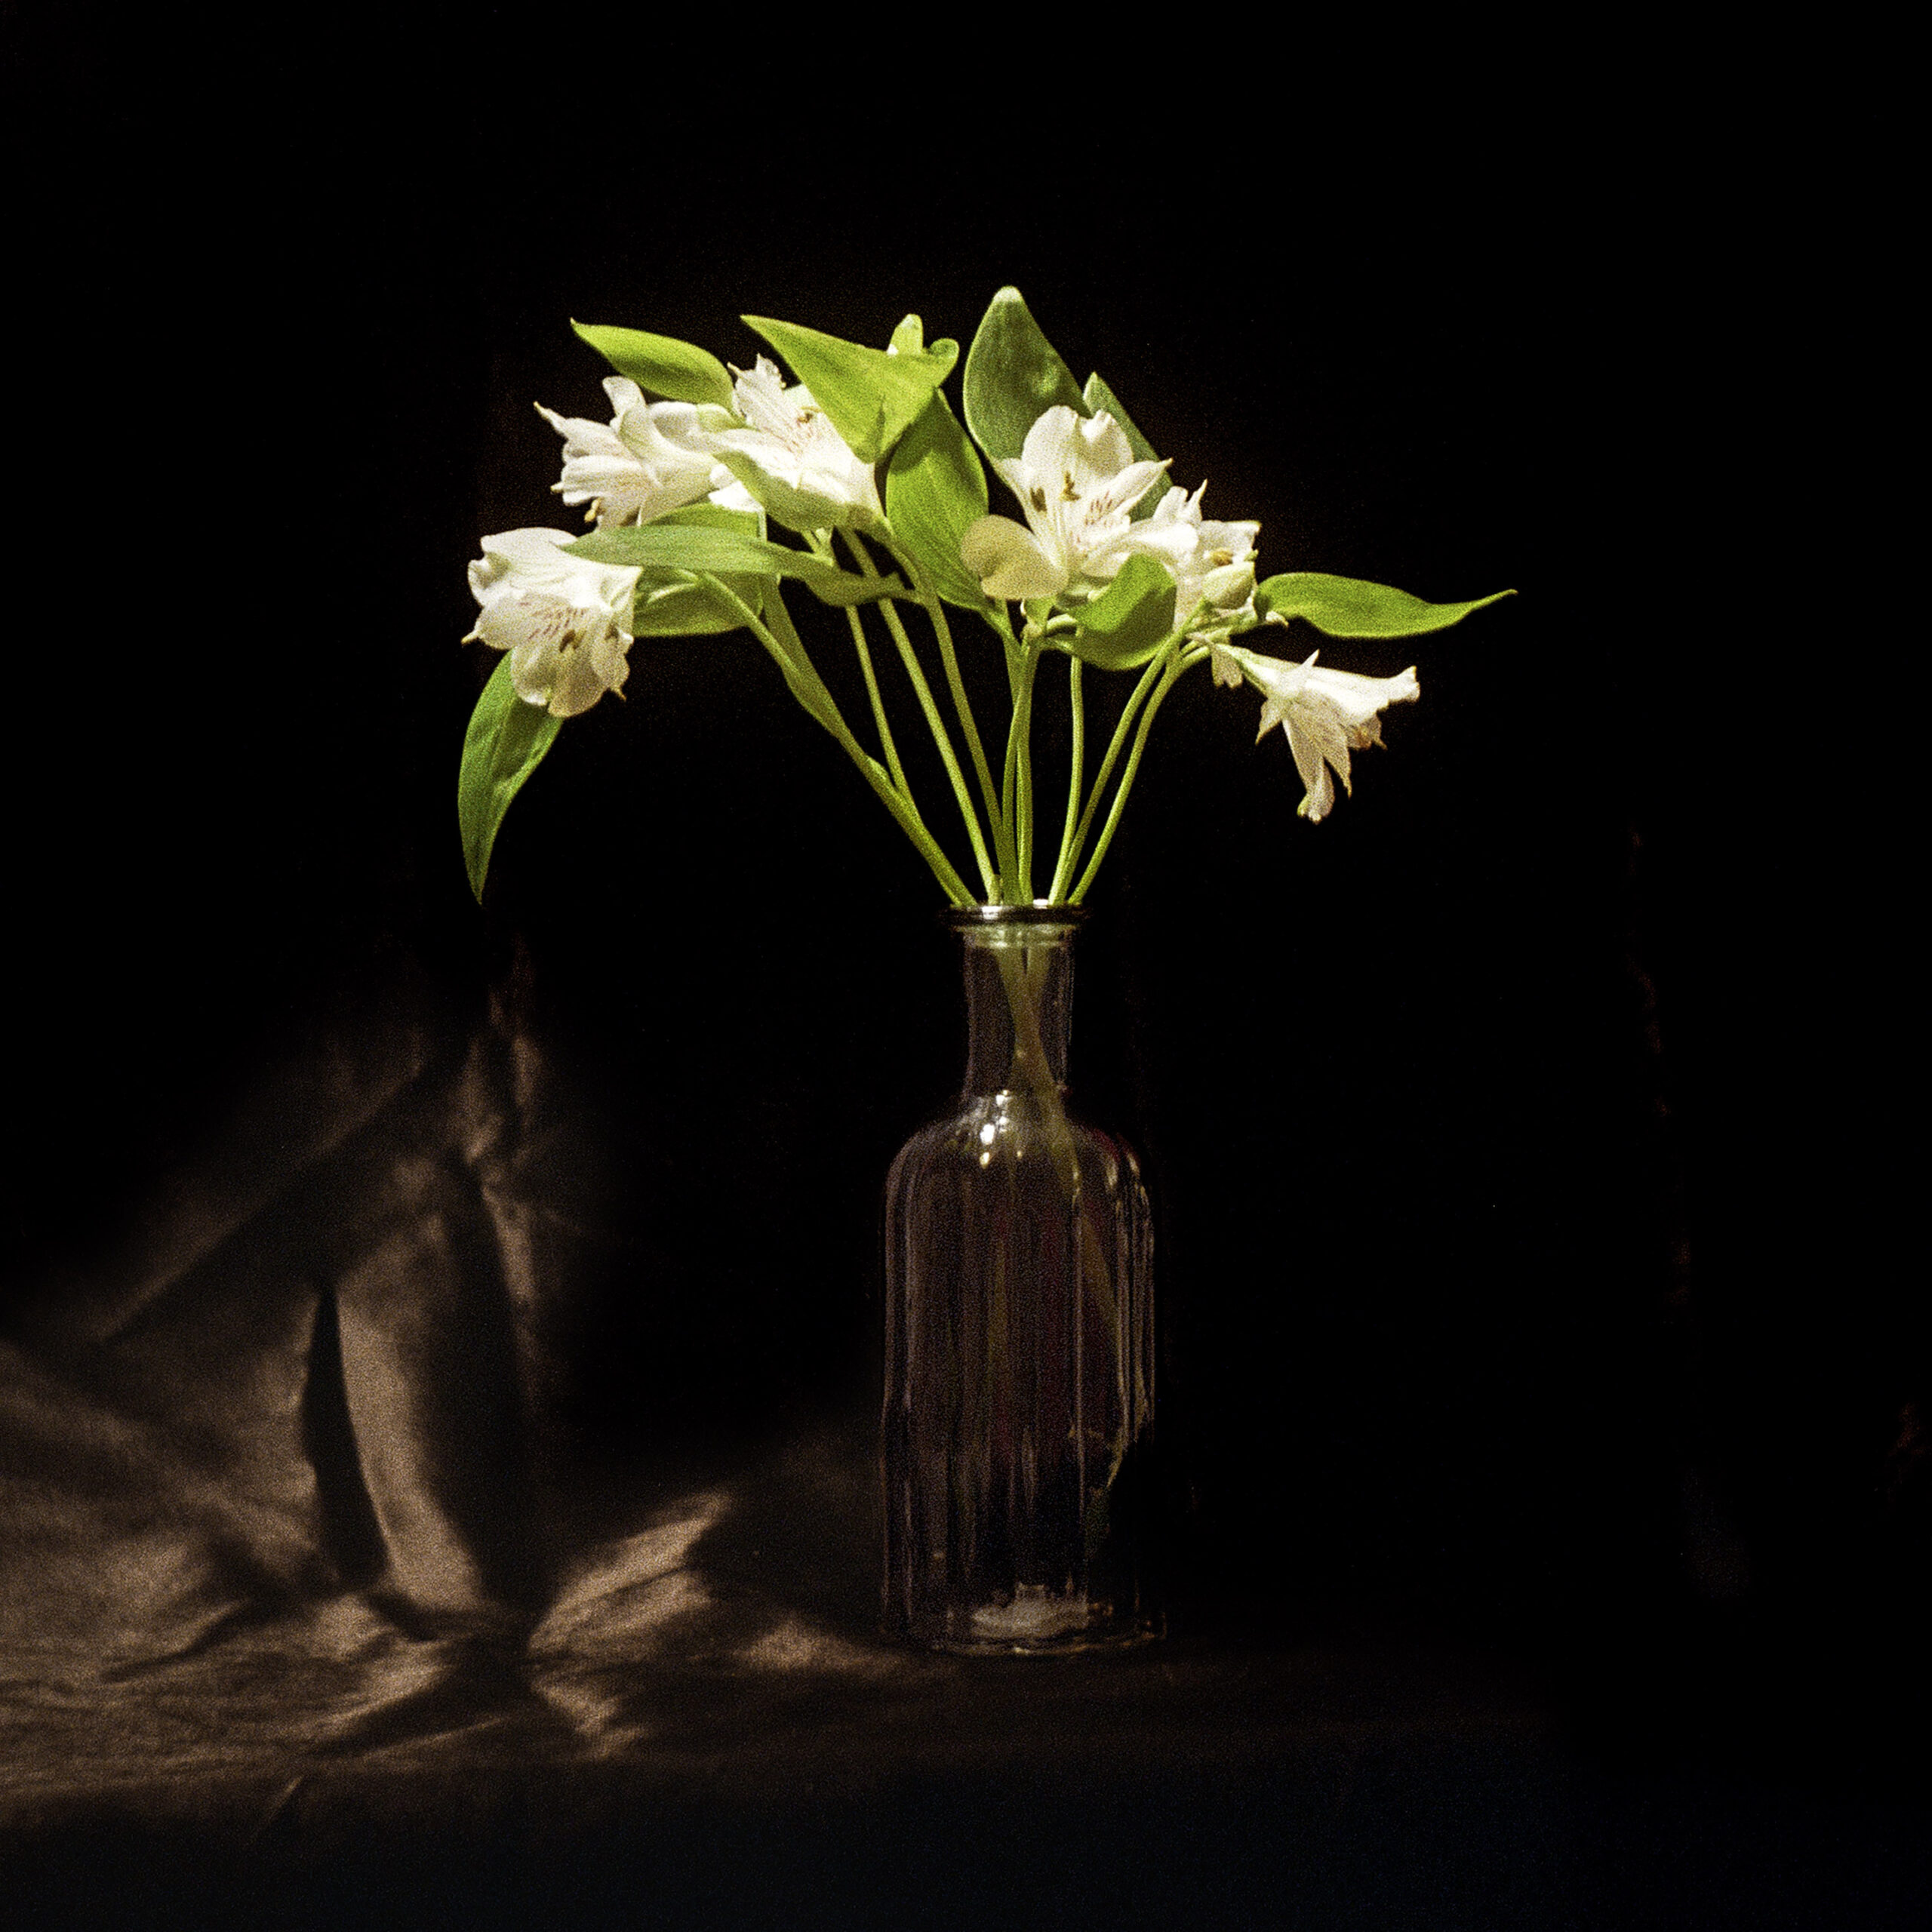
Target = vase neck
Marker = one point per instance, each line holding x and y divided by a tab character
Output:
1019	1004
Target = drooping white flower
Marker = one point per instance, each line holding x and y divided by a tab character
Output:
1323	713
566	622
1076	479
790	458
1220	566
650	457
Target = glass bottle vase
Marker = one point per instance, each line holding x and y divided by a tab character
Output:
1018	1358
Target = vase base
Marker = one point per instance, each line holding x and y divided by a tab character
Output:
1106	1637
1035	1623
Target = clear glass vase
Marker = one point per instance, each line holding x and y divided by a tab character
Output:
1019	1357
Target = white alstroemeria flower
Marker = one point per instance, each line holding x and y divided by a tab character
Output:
791	458
1220	569
565	621
651	456
1076	480
1323	713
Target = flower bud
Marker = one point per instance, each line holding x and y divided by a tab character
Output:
1229	586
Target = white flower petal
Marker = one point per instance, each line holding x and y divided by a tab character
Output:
564	621
533	671
1357	699
1236	539
530	550
1324	715
579	682
1010	561
1077	480
759	393
1047	451
1101	452
731	494
1228	586
1116	494
1317	741
1177	506
789	456
630	470
1173	545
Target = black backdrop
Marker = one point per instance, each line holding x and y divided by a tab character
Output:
1518	1262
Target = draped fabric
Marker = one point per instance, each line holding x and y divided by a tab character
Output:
313	1611
311	1608
304	1572
290	1474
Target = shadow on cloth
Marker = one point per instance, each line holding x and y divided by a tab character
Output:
287	1476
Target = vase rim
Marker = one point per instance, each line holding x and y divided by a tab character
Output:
1041	912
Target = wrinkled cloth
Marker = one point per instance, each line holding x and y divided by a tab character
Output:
311	1614
286	1483
283	1477
284	1491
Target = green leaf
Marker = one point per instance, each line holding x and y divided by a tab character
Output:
1013	377
662	546
934	488
872	397
1130	620
661	364
711	516
1101	401
909	337
505	743
1348	607
669	605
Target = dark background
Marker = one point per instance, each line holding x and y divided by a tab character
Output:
1522	1265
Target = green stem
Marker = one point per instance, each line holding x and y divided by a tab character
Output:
1022	783
935	611
819	542
1023	979
877	703
1148	677
1176	663
809	689
1006	776
1063	866
936	723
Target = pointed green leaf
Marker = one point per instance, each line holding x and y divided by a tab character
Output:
505	743
1130	620
661	364
909	337
872	397
934	488
690	609
1348	607
661	546
711	516
1013	377
669	604
1101	401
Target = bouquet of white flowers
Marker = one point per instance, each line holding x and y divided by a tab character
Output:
1112	565
1019	1291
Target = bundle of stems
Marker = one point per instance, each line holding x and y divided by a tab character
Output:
1002	844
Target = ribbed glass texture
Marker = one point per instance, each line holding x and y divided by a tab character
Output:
1019	1357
